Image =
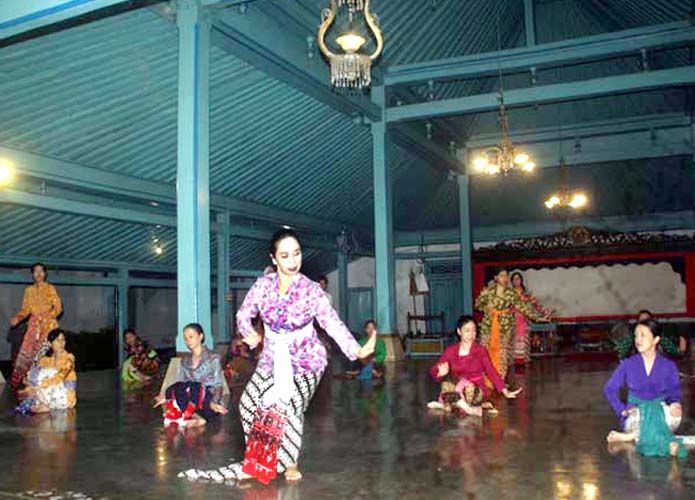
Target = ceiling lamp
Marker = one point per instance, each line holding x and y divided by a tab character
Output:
6	172
350	69
576	200
503	158
565	198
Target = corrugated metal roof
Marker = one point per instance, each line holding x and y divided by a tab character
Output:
623	14
579	112
99	96
421	30
618	188
47	234
109	103
43	233
96	95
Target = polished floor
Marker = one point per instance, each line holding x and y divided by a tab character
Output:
361	442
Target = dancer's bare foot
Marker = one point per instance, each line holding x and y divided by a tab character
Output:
620	447
292	474
435	405
470	410
620	437
673	448
195	421
40	408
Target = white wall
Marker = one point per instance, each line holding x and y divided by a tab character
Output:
155	315
608	290
361	275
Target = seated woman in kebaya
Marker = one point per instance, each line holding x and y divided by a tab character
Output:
653	409
141	363
196	396
463	368
51	383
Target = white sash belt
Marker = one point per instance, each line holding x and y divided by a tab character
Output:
283	374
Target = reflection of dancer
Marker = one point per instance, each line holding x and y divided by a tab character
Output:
468	363
653	471
52	382
290	368
653	410
461	449
522	341
48	455
196	396
41	304
498	302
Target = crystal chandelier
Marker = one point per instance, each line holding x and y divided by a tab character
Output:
350	70
503	158
565	198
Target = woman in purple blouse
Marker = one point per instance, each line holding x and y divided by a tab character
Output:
290	367
653	409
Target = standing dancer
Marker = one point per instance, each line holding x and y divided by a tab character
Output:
522	342
42	305
498	302
290	367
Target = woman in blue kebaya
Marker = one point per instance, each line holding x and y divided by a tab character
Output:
653	409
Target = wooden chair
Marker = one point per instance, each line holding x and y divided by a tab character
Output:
429	343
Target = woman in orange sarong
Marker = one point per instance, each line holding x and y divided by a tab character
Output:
499	302
42	305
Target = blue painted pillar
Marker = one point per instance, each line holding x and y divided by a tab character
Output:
343	286
466	244
193	173
530	22
223	334
122	302
383	232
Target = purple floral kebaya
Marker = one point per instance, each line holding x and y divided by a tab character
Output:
293	314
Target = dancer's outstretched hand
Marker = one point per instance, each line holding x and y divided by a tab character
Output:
159	400
252	340
511	394
368	348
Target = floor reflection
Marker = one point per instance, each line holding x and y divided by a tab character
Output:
49	449
362	441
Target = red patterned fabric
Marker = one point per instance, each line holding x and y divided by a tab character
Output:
265	438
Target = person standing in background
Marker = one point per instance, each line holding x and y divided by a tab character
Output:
42	306
323	283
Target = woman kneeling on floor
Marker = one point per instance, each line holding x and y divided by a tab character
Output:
467	364
196	397
653	409
51	382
